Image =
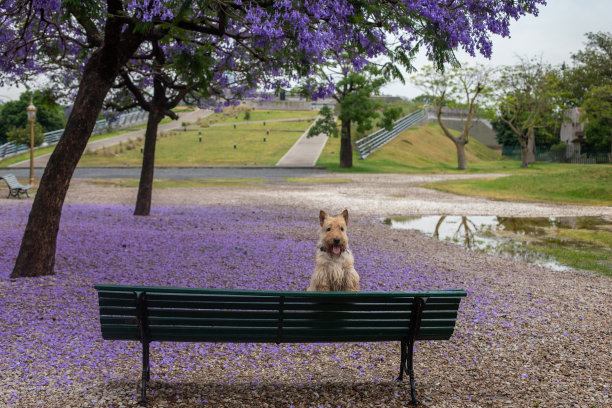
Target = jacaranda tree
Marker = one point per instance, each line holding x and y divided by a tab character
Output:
176	74
100	37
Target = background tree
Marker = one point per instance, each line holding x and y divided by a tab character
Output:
529	98
589	83
353	92
466	85
545	137
100	37
49	115
592	66
597	105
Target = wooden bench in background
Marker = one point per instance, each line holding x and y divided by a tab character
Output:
16	189
149	314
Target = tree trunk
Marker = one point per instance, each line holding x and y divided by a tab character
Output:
461	160
145	186
346	149
37	252
523	142
459	142
531	146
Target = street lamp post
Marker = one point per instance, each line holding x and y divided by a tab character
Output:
31	110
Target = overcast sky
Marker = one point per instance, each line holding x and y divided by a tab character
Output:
557	32
554	35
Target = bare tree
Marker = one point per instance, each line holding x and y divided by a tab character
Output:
461	87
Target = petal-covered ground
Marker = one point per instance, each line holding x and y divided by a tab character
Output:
525	335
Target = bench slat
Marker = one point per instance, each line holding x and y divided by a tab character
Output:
131	334
233	292
287	323
288	298
327	306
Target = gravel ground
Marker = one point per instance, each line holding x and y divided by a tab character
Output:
526	336
376	195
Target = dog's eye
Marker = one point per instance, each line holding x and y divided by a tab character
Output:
329	228
341	228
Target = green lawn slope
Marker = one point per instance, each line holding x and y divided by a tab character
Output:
183	148
422	149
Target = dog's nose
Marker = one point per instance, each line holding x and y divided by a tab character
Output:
336	241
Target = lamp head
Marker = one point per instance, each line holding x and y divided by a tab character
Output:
31	110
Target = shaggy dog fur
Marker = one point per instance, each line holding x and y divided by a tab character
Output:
334	271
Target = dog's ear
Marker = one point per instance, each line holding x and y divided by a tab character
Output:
345	215
322	217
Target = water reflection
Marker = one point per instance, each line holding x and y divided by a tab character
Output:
537	239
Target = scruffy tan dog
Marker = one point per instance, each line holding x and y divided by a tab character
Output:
334	271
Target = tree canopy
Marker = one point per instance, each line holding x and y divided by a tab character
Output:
590	84
98	38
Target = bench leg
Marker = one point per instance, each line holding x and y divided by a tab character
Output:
146	374
410	369
402	361
406	365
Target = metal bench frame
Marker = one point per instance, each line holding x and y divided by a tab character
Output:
16	189
406	347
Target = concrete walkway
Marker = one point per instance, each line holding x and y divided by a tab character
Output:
189	117
305	152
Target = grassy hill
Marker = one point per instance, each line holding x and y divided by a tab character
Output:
417	150
183	148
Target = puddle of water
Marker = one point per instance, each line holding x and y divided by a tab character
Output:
512	236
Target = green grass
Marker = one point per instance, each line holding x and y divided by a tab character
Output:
565	184
179	148
574	243
232	115
588	258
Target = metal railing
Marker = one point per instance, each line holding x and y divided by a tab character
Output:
370	143
101	126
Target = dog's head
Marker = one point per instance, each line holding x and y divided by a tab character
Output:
333	236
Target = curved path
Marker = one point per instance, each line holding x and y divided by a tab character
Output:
41	161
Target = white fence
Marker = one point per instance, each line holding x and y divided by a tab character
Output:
124	120
370	143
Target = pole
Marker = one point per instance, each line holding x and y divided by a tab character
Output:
31	153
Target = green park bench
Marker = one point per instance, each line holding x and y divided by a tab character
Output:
16	189
149	314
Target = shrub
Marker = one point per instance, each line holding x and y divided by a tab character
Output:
557	152
21	136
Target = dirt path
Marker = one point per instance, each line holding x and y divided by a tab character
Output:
372	195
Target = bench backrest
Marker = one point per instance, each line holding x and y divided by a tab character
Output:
12	181
214	315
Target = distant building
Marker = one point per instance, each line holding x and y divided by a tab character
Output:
572	131
288	103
